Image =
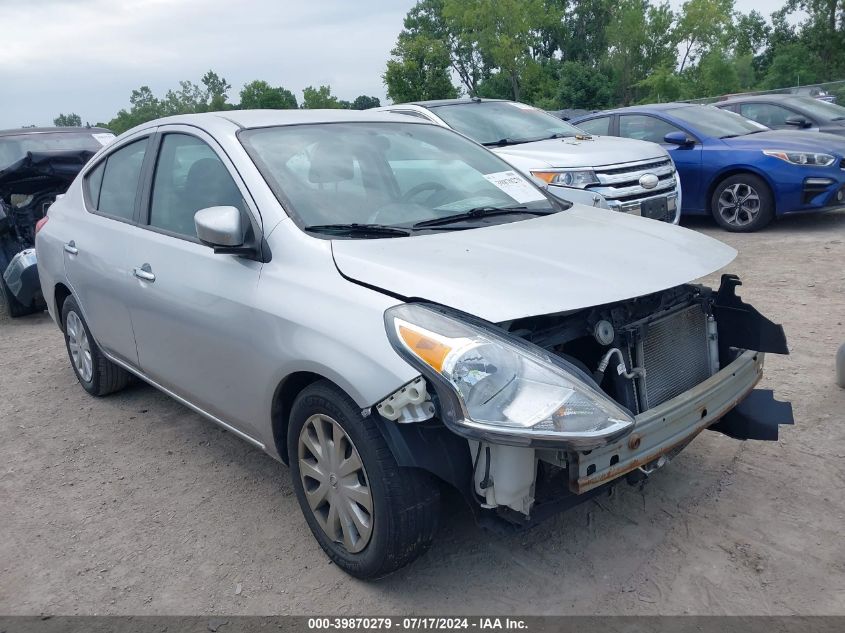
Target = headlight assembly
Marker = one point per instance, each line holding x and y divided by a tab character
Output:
812	159
502	389
578	178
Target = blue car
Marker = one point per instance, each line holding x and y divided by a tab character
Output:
740	171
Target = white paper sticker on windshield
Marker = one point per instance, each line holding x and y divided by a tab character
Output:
104	138
515	186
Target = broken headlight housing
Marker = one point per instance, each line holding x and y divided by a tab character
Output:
497	388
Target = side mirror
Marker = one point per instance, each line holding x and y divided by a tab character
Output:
220	227
798	121
678	138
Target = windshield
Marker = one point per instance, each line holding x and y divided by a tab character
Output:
711	121
502	122
13	148
818	109
390	174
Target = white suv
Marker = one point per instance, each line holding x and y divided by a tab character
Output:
636	177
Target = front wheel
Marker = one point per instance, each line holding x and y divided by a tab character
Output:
742	203
370	516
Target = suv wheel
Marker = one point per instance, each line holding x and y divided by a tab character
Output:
96	373
370	516
742	203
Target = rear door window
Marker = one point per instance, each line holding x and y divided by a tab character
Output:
645	128
766	113
599	126
119	181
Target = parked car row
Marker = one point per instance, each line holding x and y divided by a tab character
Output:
735	169
389	308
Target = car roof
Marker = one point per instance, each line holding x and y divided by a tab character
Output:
271	118
52	130
442	102
652	107
774	97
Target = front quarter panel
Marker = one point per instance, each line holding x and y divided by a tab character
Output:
313	320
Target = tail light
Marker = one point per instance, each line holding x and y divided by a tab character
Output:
40	224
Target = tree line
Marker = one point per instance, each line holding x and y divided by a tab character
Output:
211	94
599	53
557	54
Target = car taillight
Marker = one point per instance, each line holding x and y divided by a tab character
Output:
40	224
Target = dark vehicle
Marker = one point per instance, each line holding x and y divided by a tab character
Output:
789	112
36	165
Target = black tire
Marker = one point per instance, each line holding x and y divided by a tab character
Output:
16	308
405	501
106	377
754	203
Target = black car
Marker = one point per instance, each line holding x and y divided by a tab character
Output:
789	112
36	165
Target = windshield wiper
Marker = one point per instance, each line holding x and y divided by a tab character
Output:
838	118
744	133
361	230
479	212
502	142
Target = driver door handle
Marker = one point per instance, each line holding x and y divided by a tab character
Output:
145	273
70	247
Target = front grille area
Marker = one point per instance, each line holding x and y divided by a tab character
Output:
621	183
675	353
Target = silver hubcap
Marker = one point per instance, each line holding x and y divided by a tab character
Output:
335	483
739	204
80	348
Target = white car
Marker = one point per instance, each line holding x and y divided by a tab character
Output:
626	175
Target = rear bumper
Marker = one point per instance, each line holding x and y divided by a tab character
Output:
21	277
669	427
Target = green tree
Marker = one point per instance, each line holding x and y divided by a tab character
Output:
750	33
68	120
702	24
661	86
582	87
418	70
504	31
259	95
792	65
216	91
363	102
322	97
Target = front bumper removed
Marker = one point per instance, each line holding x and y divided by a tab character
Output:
664	430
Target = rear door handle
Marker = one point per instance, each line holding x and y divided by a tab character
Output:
145	273
70	247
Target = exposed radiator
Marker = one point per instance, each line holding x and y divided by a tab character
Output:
675	354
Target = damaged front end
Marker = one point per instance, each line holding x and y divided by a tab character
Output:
27	189
645	377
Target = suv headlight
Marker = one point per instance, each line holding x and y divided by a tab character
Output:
813	159
578	178
500	388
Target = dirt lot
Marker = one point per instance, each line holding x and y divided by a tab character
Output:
135	505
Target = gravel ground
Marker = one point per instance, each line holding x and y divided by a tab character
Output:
133	504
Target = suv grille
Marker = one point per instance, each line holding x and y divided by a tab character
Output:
620	184
675	353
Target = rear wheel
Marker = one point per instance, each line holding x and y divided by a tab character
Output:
742	203
96	373
370	516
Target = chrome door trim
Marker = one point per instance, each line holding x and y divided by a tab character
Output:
182	400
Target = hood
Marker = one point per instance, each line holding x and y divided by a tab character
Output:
574	259
790	140
39	171
594	151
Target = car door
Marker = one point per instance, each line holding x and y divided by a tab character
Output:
95	253
192	309
646	127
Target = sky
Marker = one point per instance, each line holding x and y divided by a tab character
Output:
86	56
